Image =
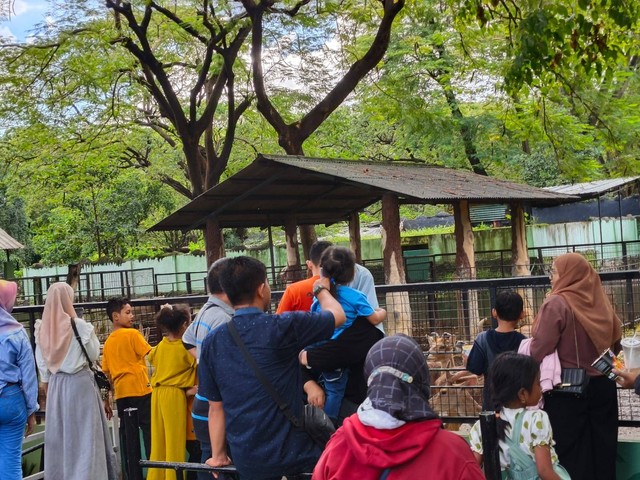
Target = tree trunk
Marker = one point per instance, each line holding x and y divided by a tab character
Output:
398	307
73	275
354	236
213	241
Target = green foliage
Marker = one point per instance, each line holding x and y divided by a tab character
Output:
544	92
14	221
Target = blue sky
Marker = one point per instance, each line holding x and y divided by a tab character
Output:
24	16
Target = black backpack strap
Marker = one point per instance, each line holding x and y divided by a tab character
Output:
263	379
77	335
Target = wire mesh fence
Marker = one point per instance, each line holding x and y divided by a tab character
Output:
443	317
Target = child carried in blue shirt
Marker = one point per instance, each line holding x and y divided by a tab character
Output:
338	264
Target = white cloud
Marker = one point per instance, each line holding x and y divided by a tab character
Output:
20	7
7	34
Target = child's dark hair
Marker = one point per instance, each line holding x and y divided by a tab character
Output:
508	305
115	304
339	264
316	251
240	277
213	277
171	318
509	372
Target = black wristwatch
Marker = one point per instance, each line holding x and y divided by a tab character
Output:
317	289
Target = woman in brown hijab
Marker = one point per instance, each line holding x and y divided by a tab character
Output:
578	321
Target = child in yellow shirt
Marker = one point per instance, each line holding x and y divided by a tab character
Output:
123	361
173	381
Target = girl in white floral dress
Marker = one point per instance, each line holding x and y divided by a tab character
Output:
515	381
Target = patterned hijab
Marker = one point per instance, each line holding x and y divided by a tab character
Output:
579	285
8	294
398	382
54	333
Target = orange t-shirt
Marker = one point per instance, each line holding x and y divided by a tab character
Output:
123	360
298	296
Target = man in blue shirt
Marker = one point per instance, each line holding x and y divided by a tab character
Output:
264	444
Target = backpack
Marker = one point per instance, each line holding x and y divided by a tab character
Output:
521	465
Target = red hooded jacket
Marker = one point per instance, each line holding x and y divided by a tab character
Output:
414	451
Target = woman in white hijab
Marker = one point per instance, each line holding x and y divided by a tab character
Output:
77	443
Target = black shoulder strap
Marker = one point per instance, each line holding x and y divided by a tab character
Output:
263	379
75	331
199	316
485	344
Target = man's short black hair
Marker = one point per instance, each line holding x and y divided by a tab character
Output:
509	305
240	277
115	304
213	281
316	251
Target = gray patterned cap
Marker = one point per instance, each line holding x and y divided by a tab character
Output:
398	378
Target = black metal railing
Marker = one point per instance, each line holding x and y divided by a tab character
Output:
135	464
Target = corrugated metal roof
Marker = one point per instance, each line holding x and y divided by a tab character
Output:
592	189
274	189
424	182
7	242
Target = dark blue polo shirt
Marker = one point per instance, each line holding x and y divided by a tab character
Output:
263	442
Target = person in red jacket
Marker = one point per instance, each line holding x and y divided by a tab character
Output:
395	434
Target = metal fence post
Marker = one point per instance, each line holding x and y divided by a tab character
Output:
187	277
132	444
490	448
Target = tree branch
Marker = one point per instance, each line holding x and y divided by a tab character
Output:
312	120
181	23
176	185
264	105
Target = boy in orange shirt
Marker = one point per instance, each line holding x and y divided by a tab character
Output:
123	361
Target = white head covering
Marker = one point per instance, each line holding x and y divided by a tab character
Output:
54	332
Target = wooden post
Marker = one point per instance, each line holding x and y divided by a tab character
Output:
465	255
391	249
398	307
354	236
468	315
520	264
293	254
213	241
519	250
307	237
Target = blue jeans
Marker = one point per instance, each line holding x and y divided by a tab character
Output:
335	384
13	419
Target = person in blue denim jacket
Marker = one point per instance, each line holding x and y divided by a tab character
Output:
18	385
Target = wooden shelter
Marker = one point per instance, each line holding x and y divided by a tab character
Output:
293	191
290	191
